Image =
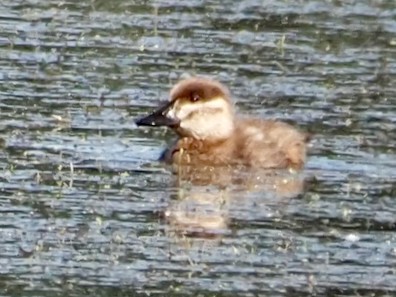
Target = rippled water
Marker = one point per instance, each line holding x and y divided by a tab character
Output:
85	207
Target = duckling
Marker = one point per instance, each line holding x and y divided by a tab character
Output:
202	114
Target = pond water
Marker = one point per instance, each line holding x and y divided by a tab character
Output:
87	210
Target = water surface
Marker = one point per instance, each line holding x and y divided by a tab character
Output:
85	207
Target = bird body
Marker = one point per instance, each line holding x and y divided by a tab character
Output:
202	114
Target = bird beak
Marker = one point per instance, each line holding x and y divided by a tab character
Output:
159	118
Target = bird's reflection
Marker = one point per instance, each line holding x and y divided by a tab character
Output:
205	196
199	213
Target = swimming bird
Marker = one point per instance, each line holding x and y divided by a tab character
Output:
201	112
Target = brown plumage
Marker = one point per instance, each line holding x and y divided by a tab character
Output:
201	113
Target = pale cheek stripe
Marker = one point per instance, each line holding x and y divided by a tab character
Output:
211	106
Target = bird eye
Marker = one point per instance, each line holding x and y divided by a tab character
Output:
194	97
